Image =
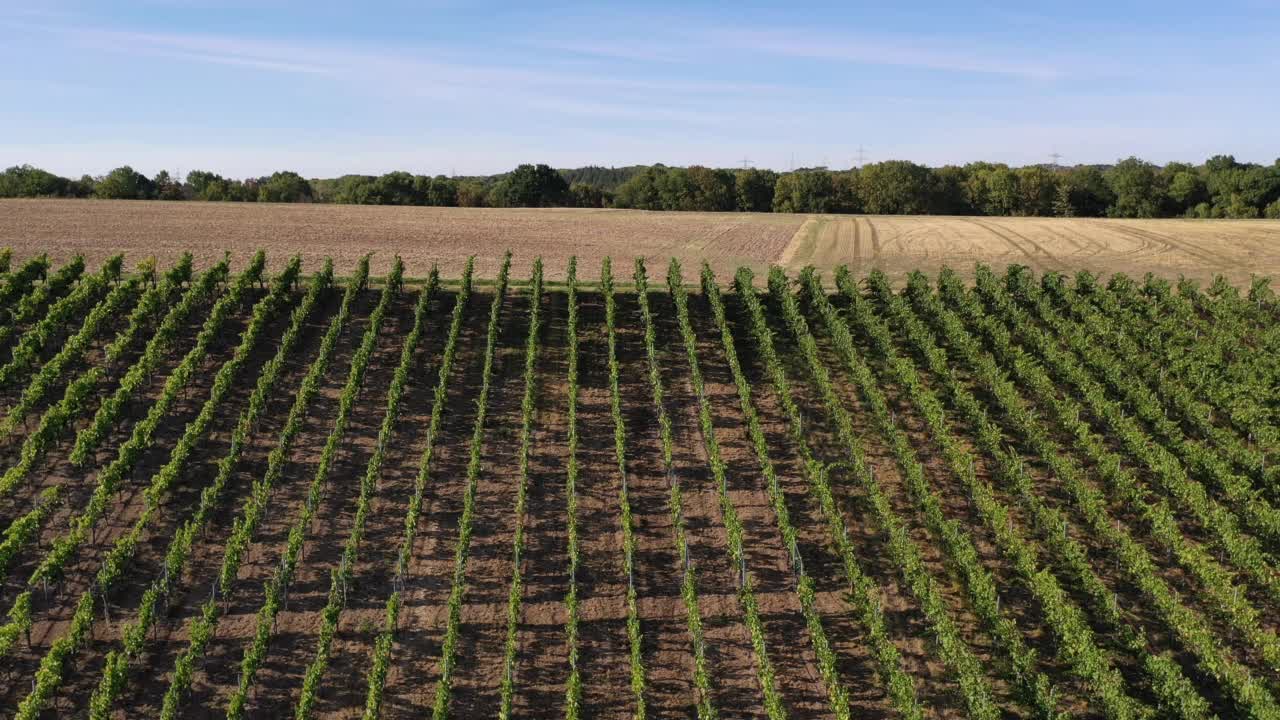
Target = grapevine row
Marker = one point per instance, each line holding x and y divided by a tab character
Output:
1109	321
14	541
1122	483
1255	511
340	578
257	503
1173	691
954	652
1076	645
75	397
54	560
27	352
49	676
634	637
1242	550
134	635
143	435
527	405
1190	629
377	675
675	505
1159	367
165	337
19	283
73	349
573	685
274	595
1090	663
47	292
837	696
22	531
449	646
863	594
728	512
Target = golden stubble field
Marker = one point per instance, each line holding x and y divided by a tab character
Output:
445	236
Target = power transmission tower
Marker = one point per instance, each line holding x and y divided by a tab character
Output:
1055	157
862	156
746	163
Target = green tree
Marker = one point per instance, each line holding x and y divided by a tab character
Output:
1090	194
804	191
1062	204
124	183
356	190
27	181
398	188
166	187
949	195
442	192
1037	190
285	186
895	187
712	190
531	186
204	185
81	188
754	189
1237	208
470	193
1185	187
1137	189
1001	194
588	196
1240	185
641	191
675	189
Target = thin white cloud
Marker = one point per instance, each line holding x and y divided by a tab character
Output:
399	75
416	70
910	52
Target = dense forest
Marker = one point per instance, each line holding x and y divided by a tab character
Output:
1221	187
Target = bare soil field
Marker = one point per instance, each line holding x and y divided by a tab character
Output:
420	235
445	236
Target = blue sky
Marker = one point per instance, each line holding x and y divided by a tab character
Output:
244	88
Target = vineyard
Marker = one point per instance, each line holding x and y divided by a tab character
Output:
257	488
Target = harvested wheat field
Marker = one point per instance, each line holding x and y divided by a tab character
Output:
423	236
274	491
897	245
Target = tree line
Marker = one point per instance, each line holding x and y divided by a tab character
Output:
1221	187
